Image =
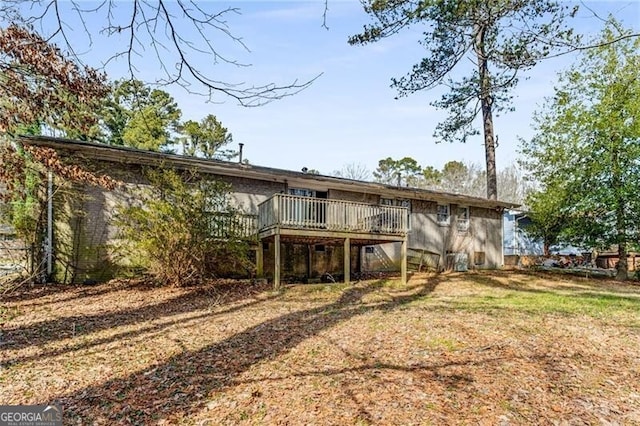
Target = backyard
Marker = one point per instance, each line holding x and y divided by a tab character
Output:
477	348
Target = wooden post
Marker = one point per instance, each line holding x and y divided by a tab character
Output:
310	250
347	260
260	260
276	269
403	261
276	208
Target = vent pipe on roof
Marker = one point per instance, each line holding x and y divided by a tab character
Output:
240	153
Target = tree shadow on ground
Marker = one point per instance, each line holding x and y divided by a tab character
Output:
31	295
576	282
180	386
525	282
144	331
555	369
521	285
42	333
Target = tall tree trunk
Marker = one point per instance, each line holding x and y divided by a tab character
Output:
621	272
486	101
621	230
621	238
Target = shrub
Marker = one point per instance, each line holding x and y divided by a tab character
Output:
183	228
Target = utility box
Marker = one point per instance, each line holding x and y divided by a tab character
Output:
458	262
461	262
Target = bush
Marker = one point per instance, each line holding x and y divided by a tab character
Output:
183	228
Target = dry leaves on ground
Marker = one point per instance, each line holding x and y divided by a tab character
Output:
478	348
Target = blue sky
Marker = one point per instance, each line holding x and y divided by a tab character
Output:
349	114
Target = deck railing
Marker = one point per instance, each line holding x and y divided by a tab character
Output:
224	225
291	211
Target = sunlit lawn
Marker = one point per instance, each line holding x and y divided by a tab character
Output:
485	348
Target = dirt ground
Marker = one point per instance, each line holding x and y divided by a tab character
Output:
495	348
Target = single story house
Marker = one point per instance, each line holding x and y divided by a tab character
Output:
521	248
305	226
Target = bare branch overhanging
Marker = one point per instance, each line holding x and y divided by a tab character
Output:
186	30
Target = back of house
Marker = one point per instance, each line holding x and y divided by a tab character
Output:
301	226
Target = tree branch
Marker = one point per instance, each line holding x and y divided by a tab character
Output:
183	31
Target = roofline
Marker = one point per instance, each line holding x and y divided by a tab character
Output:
121	154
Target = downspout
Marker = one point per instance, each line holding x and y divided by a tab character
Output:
49	225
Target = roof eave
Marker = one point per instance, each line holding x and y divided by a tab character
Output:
129	155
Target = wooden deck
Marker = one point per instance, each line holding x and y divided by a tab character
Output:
331	218
309	220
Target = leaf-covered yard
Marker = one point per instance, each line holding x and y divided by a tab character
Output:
485	348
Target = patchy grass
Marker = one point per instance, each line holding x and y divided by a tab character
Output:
477	348
548	294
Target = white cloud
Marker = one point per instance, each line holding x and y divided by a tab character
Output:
295	11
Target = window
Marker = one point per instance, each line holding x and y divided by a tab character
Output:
386	201
320	248
442	213
369	249
302	192
463	219
396	202
301	212
478	258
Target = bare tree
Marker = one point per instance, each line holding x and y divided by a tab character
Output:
470	179
512	185
355	171
172	36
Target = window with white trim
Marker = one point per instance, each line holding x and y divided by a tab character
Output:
463	219
442	214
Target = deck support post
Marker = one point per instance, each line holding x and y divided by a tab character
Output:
310	250
347	260
403	260
276	269
260	260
